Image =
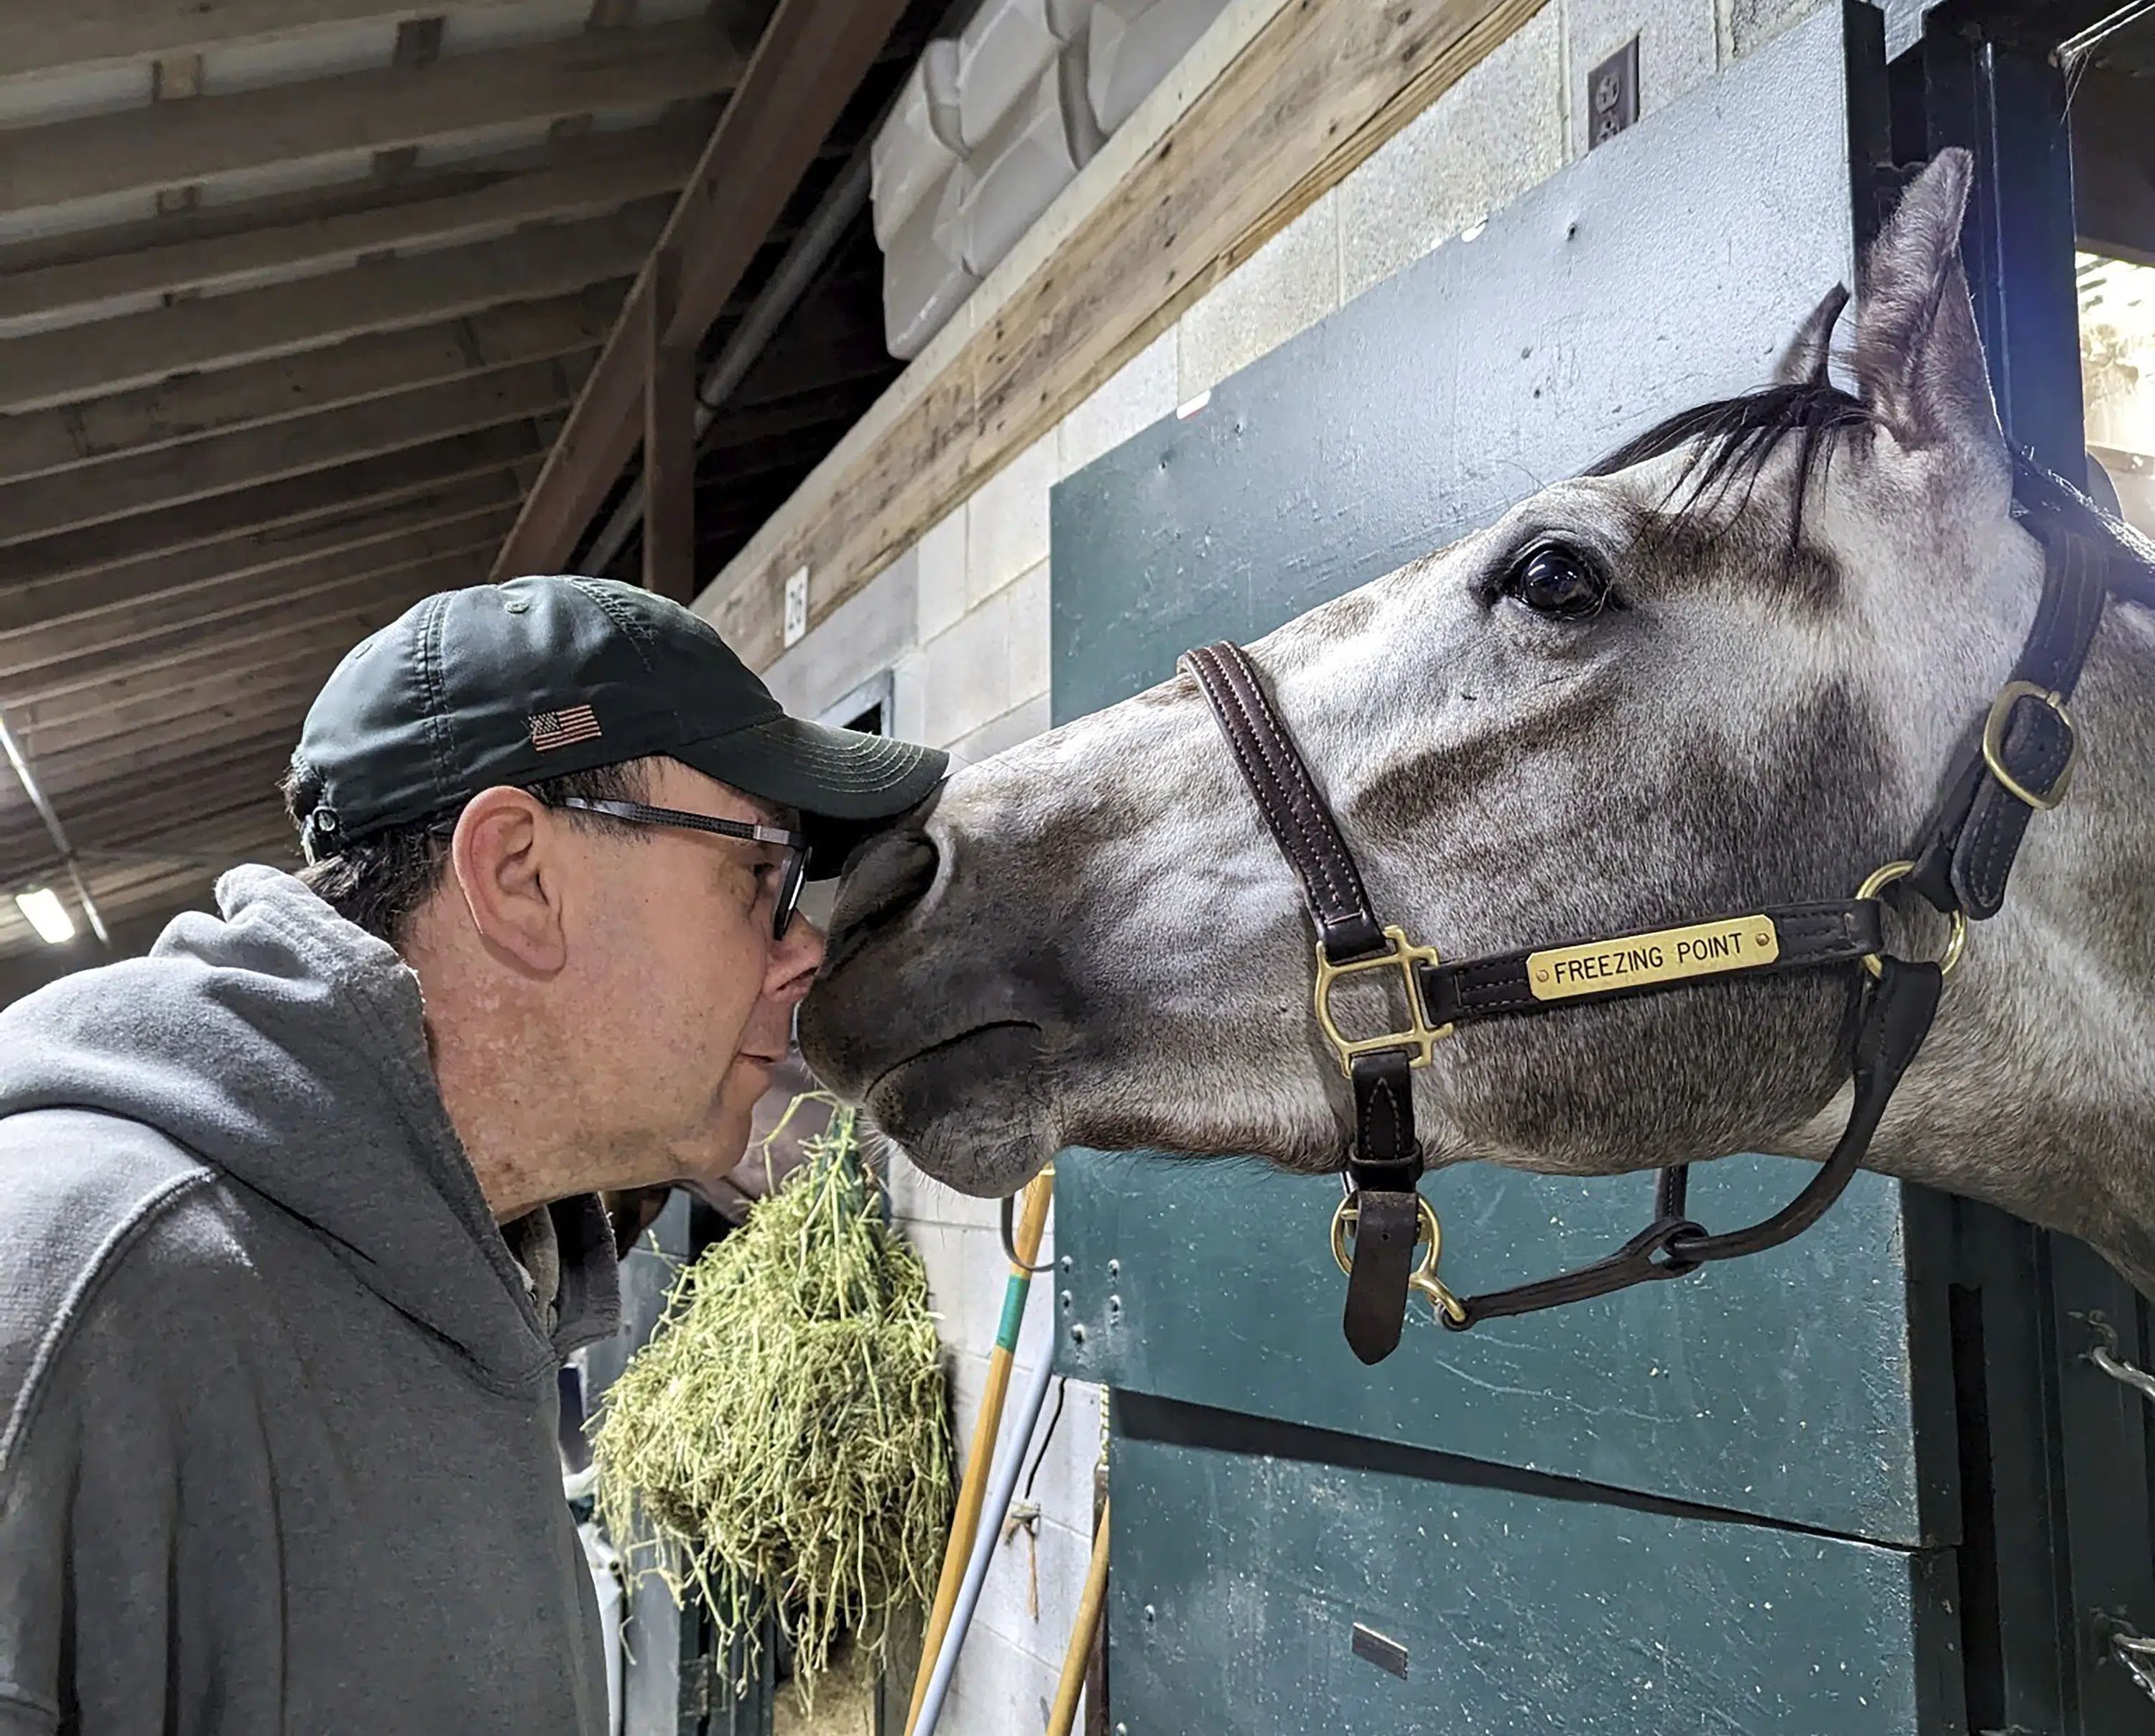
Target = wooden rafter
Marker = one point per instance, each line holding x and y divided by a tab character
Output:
348	608
217	331
268	554
170	476
239	434
256	394
125	813
142	150
49	35
69	772
338	615
208	249
289	584
348	489
232	689
811	60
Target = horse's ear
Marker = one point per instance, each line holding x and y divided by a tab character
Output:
1804	362
1917	355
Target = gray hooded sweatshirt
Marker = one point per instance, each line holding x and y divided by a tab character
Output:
276	1403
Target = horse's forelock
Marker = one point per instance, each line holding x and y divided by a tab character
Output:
1731	440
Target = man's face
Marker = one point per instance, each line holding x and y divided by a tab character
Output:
682	998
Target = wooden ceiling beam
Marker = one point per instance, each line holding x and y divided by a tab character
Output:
211	248
286	582
40	442
48	35
340	613
347	491
232	689
142	150
58	775
170	777
247	325
212	847
811	60
127	814
125	823
171	476
159	772
267	556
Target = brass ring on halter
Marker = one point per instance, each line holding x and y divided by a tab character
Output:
1956	939
1428	1232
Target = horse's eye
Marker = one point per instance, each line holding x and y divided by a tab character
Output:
1553	581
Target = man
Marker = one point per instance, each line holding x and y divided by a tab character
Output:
297	1215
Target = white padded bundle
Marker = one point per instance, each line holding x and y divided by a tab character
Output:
1022	166
1134	44
1001	54
991	127
924	279
919	144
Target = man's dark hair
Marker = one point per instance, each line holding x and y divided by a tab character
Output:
380	882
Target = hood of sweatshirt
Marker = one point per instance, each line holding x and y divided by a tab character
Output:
286	1047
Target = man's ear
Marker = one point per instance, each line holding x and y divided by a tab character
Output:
504	855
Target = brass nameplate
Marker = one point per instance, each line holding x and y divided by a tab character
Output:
1704	949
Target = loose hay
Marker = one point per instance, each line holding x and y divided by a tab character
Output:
781	1443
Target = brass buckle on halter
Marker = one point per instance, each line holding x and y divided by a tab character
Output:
1402	955
1957	929
1993	743
1428	1232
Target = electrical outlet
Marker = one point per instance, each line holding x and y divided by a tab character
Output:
1612	95
796	607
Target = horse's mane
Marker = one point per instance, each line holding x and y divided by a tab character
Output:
1735	437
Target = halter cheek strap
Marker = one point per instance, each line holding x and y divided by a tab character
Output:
1384	1161
2017	762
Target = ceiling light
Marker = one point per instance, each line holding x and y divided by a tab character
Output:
43	911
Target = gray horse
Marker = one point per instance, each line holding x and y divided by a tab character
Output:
1728	669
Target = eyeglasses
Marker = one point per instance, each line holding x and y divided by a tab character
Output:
792	871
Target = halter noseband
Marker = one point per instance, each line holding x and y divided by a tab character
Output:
2017	762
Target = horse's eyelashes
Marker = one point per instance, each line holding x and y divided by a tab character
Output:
1556	580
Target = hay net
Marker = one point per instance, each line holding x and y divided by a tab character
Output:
782	1444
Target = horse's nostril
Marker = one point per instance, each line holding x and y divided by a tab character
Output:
887	877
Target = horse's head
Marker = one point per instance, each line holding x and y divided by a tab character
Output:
1724	670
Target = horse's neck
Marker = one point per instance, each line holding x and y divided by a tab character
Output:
2036	1090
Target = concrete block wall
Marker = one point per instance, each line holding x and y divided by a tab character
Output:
961	620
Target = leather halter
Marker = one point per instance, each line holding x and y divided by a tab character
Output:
2018	762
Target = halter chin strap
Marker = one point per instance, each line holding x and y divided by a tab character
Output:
2017	763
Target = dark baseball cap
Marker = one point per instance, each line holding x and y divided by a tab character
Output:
516	682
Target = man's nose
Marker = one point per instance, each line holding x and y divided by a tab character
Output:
797	958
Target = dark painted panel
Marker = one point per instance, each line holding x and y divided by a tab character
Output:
1240	1578
1783	1386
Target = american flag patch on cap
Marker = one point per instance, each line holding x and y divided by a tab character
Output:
550	729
